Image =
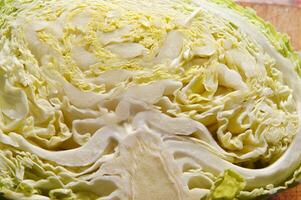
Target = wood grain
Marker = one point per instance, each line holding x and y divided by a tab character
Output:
289	194
287	19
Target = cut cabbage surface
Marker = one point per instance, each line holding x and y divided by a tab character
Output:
145	100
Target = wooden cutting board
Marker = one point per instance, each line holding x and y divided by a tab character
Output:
287	19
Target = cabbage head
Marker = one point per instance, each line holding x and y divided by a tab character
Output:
145	100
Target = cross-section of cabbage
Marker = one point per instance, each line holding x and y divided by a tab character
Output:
145	100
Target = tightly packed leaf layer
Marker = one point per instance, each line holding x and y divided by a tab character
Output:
132	99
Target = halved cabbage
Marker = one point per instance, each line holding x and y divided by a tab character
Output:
134	99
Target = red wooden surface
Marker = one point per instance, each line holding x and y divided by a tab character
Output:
286	18
290	194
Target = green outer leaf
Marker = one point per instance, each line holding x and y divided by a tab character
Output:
228	186
280	41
